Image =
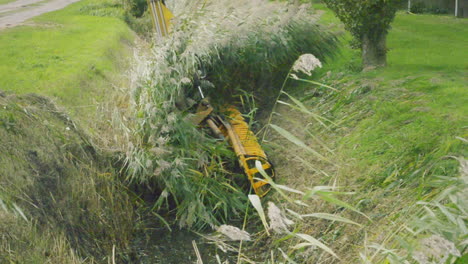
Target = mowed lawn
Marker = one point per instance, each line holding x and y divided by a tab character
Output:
420	101
68	54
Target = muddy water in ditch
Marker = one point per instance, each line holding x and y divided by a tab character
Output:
176	247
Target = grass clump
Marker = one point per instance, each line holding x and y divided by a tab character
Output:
213	43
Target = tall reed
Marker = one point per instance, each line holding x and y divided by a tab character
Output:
221	46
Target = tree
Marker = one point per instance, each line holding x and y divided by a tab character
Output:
369	22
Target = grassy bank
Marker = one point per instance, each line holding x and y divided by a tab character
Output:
62	199
73	55
390	136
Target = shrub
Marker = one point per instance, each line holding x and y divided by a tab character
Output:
135	7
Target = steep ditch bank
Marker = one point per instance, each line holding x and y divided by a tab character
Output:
393	139
63	198
62	195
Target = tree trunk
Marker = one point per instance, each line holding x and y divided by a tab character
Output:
374	50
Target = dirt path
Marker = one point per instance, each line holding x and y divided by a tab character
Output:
15	13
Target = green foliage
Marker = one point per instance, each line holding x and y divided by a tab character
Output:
372	17
7	121
279	223
137	16
135	7
259	64
103	8
422	7
189	168
439	218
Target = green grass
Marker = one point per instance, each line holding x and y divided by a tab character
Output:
68	54
419	101
2	2
397	125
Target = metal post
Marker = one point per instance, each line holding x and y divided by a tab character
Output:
409	6
456	8
157	15
161	18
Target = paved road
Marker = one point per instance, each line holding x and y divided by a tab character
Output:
15	13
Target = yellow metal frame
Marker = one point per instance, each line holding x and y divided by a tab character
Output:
248	150
242	140
161	17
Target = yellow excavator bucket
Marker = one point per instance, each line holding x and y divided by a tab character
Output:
161	17
248	150
243	141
